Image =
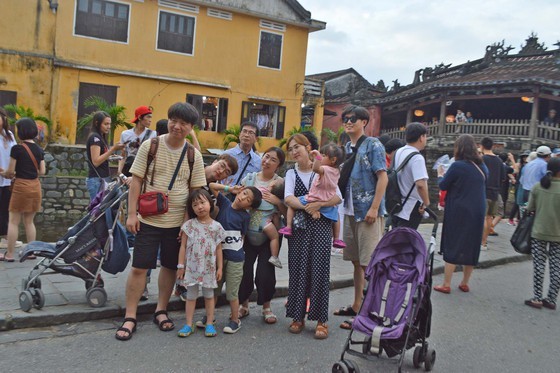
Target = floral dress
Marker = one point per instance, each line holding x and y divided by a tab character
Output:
200	257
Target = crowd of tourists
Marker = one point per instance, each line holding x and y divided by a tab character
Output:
225	217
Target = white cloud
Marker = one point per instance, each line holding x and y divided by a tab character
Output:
387	39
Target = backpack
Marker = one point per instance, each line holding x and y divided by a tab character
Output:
393	198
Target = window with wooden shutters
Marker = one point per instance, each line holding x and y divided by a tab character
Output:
211	110
176	32
102	19
106	92
270	50
8	98
269	119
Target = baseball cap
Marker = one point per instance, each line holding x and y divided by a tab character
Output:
543	150
525	153
143	110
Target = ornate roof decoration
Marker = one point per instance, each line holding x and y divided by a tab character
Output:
532	46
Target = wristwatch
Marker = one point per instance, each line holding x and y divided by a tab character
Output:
180	266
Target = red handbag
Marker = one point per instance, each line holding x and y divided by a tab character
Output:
154	202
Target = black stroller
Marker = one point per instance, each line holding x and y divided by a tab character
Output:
396	311
97	241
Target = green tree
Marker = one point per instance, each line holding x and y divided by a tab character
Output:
116	112
331	135
18	111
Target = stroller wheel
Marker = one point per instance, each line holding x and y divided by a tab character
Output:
25	300
96	297
429	360
353	366
417	358
340	367
38	298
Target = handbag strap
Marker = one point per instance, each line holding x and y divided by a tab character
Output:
242	171
151	157
478	168
185	147
31	155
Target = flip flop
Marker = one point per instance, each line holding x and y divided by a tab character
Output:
346	324
4	259
345	311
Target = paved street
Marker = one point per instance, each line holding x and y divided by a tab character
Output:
487	330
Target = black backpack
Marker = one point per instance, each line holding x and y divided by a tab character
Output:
393	197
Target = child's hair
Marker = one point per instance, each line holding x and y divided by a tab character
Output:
195	195
278	189
257	197
332	150
553	168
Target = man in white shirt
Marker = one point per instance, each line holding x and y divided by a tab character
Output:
412	178
136	136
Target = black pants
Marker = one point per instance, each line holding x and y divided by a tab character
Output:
4	213
265	277
412	222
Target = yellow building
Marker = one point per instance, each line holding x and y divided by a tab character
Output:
235	60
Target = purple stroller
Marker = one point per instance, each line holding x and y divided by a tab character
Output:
396	311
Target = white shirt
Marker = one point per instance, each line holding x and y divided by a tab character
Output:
5	148
414	170
134	139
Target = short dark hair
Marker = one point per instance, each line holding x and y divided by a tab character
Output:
26	129
414	131
250	124
196	195
312	139
279	153
334	151
359	111
487	143
384	139
161	127
393	145
257	196
503	157
553	168
183	111
231	162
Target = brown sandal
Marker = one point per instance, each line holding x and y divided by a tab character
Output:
322	331
296	327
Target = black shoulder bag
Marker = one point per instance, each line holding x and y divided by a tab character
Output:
347	167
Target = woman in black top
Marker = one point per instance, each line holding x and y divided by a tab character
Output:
26	163
98	153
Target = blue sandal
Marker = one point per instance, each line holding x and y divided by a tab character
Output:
185	331
210	331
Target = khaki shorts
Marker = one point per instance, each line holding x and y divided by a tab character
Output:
232	273
492	207
361	239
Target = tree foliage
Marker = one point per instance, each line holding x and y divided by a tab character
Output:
116	112
16	112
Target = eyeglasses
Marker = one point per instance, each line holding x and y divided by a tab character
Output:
248	132
223	167
352	119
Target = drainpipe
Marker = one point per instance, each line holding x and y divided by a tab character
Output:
534	116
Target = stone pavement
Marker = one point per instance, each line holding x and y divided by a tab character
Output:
66	301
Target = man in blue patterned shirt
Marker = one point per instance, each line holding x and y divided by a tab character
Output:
364	206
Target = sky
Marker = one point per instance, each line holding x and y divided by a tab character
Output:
391	39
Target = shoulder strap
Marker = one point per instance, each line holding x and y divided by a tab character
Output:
190	158
244	168
151	157
408	157
185	148
146	135
30	155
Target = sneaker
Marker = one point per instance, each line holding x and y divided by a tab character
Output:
181	291
210	331
339	244
511	222
145	294
185	331
201	324
232	327
483	247
4	243
286	231
275	261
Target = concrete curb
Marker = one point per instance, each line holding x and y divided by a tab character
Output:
78	313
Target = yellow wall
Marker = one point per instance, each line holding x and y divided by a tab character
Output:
225	53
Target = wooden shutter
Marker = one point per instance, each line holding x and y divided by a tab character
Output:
245	111
222	114
106	92
8	98
281	121
196	101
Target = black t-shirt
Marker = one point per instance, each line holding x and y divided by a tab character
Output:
103	168
25	168
496	175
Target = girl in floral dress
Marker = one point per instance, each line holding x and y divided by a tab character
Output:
200	259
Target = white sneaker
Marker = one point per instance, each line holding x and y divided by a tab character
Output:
483	247
275	261
4	243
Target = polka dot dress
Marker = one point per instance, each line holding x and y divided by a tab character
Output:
309	257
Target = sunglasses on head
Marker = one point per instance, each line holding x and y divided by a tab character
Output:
352	119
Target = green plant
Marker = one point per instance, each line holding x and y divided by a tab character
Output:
18	111
116	112
331	135
232	135
293	131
